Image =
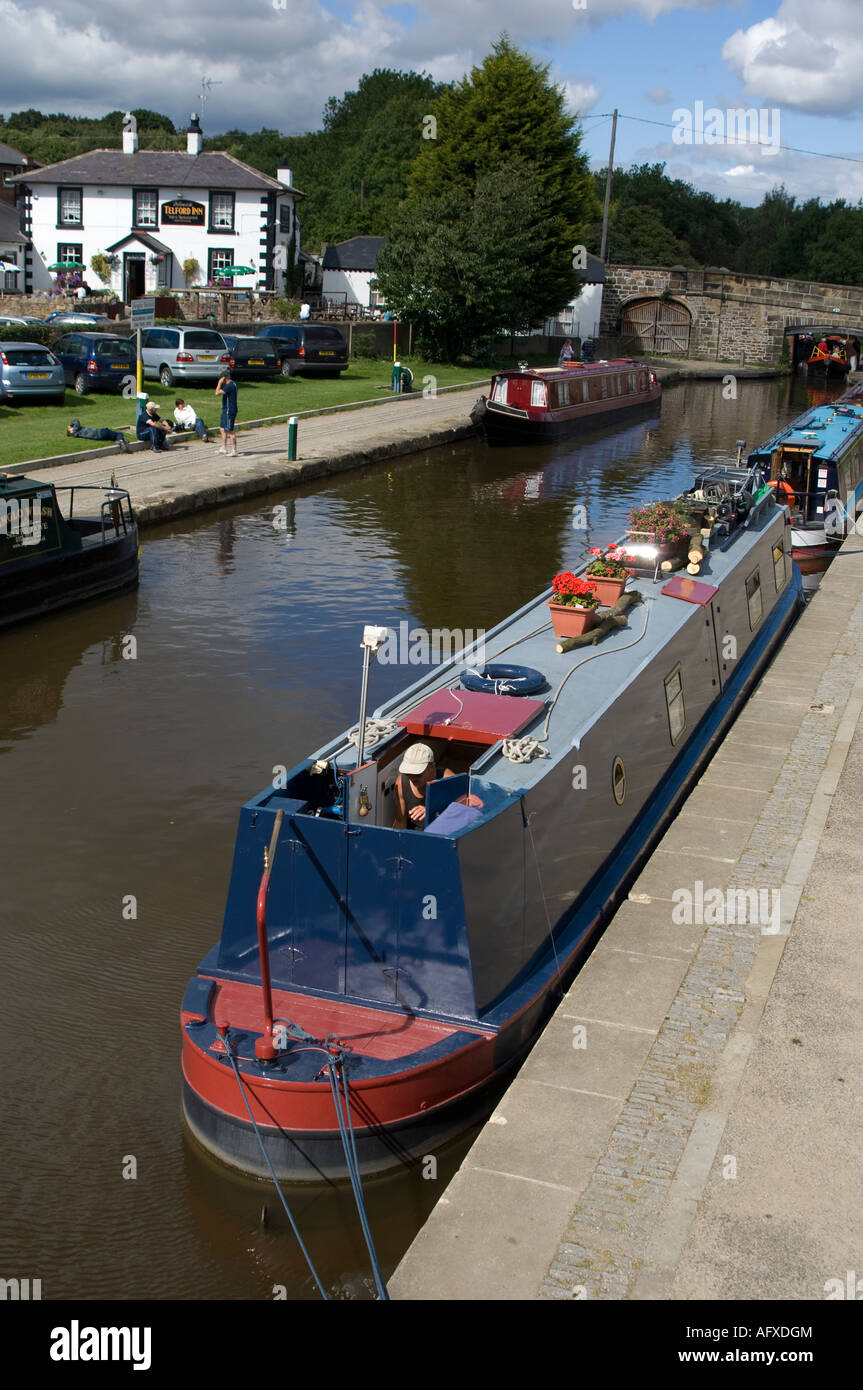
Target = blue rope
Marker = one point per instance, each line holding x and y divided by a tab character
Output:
232	1060
339	1088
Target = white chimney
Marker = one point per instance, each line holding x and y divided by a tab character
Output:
284	176
194	138
130	134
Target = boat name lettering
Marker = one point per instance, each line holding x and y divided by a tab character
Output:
22	517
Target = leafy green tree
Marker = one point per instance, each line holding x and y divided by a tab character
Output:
506	109
462	266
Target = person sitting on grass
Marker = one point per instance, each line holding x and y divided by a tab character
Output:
79	431
152	429
187	418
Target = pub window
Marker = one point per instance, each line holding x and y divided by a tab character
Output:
675	704
222	212
219	258
69	207
753	599
70	251
145	207
779	570
563	393
285	217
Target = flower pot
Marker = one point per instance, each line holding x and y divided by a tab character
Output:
608	591
569	621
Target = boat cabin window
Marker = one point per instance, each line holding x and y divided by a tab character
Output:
633	382
499	392
675	704
780	572
563	393
605	388
618	781
538	393
585	390
753	599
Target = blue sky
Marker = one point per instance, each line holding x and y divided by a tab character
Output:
275	62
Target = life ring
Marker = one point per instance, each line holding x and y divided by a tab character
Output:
502	680
785	488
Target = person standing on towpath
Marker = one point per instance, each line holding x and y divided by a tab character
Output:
227	389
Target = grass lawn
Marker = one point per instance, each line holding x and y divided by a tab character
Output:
33	431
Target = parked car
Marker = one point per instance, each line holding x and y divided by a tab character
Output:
60	317
313	348
30	369
183	354
250	357
7	319
96	361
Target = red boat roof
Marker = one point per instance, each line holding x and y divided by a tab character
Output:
571	369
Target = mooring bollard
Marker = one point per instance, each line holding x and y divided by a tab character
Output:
292	438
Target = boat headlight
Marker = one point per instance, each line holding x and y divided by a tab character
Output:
374	637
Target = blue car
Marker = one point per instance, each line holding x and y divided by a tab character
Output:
61	316
96	361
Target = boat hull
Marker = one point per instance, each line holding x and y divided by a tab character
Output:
68	579
505	426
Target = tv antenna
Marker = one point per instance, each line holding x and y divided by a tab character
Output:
206	84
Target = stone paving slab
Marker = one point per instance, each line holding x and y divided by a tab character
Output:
657	1216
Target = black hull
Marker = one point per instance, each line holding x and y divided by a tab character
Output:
503	428
68	579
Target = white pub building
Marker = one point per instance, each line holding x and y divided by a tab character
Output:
150	211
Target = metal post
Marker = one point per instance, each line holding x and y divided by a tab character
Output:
608	188
361	739
293	424
395	339
139	370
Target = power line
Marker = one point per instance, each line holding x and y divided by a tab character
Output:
787	149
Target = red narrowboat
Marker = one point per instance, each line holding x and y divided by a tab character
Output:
551	402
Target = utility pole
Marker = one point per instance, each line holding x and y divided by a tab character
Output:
608	187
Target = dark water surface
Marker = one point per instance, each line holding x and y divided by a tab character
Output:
124	777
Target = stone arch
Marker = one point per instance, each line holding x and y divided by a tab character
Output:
654	323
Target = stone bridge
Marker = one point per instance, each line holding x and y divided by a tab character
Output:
719	315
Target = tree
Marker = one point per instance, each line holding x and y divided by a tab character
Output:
504	110
463	268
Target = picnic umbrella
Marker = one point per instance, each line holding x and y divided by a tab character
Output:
67	265
9	267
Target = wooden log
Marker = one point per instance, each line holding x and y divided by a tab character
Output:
615	617
669	566
693	569
696	555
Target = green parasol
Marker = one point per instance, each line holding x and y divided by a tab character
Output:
66	265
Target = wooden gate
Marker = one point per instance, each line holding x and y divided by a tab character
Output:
657	325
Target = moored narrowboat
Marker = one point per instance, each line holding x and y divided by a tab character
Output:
527	404
815	463
828	357
61	545
427	959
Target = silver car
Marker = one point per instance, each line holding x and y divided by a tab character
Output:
30	369
184	354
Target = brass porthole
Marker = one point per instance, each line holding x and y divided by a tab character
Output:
618	780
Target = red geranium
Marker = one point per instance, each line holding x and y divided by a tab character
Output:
570	590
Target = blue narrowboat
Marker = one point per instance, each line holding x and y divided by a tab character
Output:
428	958
816	466
61	545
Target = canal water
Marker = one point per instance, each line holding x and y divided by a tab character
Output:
123	765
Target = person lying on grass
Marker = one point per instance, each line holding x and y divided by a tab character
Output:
79	431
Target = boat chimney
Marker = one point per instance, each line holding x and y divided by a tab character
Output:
194	136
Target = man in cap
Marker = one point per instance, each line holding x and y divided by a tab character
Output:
416	770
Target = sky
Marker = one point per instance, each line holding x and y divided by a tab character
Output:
796	64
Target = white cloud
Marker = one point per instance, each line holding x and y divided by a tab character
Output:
808	56
580	95
660	96
275	66
739	171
